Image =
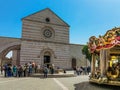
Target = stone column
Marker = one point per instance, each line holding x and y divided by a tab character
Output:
93	64
1	59
16	57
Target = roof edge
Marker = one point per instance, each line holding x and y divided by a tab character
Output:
50	11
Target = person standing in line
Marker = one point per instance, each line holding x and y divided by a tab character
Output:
35	68
30	68
88	70
77	70
81	70
9	71
45	71
5	70
14	71
27	70
20	70
1	69
24	70
38	68
52	70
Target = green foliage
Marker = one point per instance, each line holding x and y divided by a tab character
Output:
86	52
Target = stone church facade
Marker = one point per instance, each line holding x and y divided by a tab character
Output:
45	40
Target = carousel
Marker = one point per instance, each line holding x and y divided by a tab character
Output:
105	65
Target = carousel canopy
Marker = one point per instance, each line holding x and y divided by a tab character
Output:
109	40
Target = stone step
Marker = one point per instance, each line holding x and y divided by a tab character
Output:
53	75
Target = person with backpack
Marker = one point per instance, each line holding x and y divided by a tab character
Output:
45	71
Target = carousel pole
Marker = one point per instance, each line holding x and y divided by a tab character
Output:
107	59
93	64
102	62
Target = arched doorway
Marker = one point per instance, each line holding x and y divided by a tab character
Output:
7	59
73	63
15	57
47	58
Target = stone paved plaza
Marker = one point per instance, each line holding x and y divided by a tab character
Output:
36	83
39	83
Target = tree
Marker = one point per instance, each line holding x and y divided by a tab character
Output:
86	52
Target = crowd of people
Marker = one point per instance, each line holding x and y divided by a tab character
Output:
83	70
9	70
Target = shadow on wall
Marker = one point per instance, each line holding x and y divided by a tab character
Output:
94	86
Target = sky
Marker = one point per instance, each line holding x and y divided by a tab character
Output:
86	17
